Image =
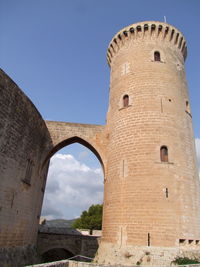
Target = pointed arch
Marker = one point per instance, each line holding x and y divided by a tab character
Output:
69	141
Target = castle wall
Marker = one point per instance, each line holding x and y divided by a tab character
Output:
26	146
24	142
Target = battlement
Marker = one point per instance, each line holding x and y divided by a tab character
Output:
152	29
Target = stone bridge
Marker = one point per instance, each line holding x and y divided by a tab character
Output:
53	246
94	137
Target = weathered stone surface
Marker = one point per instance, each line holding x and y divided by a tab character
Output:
18	256
24	139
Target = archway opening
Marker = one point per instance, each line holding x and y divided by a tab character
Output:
74	183
56	254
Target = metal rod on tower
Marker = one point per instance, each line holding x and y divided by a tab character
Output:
165	19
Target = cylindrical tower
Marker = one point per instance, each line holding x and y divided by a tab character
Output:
152	193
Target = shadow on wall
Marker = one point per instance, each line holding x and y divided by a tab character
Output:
56	254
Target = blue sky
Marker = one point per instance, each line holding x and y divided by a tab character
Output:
55	50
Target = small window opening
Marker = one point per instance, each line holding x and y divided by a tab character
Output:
197	242
125	33
153	27
170	100
164	154
183	47
190	241
146	27
159	28
187	106
139	29
176	40
182	241
157	56
109	52
125	101
180	43
166	31
132	30
149	240
166	192
172	34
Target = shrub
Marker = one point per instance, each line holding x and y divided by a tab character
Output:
185	261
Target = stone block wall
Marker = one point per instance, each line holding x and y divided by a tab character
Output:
24	142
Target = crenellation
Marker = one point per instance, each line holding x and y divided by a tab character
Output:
146	30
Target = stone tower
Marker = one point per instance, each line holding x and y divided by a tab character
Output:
152	193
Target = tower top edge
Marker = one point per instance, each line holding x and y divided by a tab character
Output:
169	32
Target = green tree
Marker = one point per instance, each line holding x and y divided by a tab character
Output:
91	219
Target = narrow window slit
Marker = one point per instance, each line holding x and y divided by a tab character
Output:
180	43
153	27
187	106
166	31
177	35
159	29
123	169
149	240
161	105
166	192
172	34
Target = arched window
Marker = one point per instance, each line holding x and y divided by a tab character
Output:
125	101
157	56
164	154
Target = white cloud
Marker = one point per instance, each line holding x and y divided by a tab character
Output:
71	188
83	154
